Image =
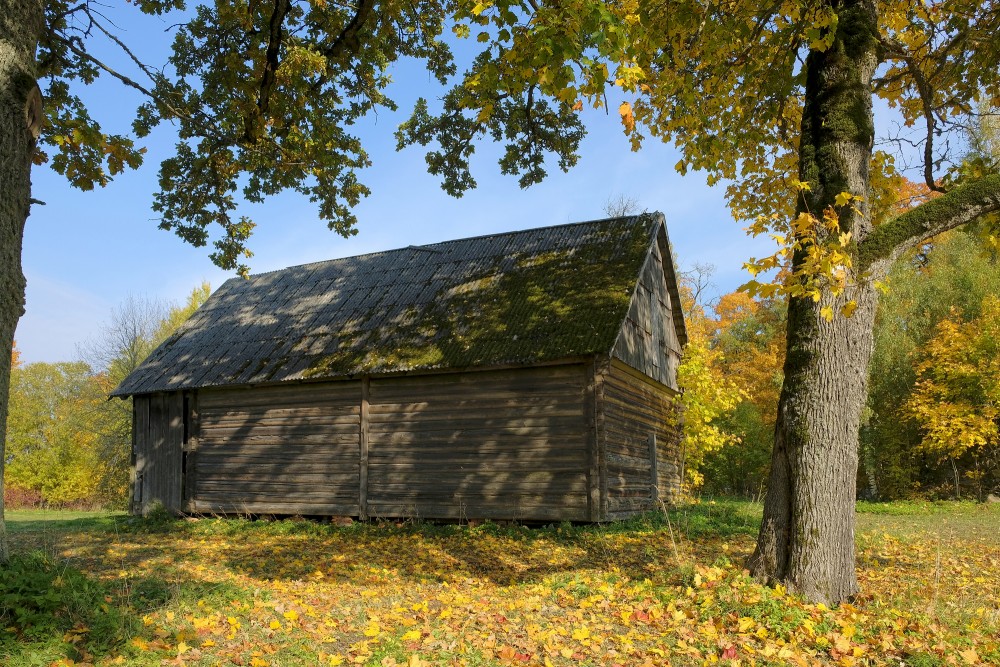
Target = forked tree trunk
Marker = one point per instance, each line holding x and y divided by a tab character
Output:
20	25
806	539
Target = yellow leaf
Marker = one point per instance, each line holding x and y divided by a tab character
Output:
275	625
485	113
372	630
842	199
581	633
628	119
848	308
970	656
411	636
182	648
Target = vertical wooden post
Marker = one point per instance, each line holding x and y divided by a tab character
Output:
365	408
593	449
133	500
191	451
601	370
654	490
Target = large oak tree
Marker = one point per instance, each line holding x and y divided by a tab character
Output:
776	98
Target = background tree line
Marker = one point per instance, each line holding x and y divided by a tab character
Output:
67	444
930	428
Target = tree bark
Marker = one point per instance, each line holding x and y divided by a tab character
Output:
20	26
806	539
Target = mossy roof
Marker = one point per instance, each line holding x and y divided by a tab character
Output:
516	298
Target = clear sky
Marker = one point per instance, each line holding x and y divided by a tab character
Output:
84	252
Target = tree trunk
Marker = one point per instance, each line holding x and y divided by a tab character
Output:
806	539
20	26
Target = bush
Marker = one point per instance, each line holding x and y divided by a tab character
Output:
17	498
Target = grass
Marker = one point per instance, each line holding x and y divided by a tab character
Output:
19	521
95	588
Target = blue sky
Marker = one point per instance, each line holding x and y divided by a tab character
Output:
84	252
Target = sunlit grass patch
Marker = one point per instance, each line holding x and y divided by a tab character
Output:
655	589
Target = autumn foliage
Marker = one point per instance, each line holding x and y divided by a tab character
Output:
956	399
67	445
640	594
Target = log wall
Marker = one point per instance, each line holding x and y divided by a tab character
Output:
555	443
278	450
636	417
497	444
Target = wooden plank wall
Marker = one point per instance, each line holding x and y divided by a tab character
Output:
632	410
158	435
648	340
496	444
279	450
509	444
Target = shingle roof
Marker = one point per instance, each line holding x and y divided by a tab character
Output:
515	298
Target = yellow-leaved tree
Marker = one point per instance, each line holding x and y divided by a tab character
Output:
956	399
708	397
52	432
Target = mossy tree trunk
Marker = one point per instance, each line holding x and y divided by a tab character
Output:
20	25
806	540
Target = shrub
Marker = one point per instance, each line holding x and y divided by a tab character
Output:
17	498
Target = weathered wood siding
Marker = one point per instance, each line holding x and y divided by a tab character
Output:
281	450
636	415
552	443
496	444
158	438
648	339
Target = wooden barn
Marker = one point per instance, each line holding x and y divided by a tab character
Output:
528	376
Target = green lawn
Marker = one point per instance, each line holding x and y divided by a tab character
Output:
33	520
105	589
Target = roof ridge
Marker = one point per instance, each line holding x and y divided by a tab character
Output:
426	246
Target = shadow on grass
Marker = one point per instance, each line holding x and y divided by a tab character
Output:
52	613
382	552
